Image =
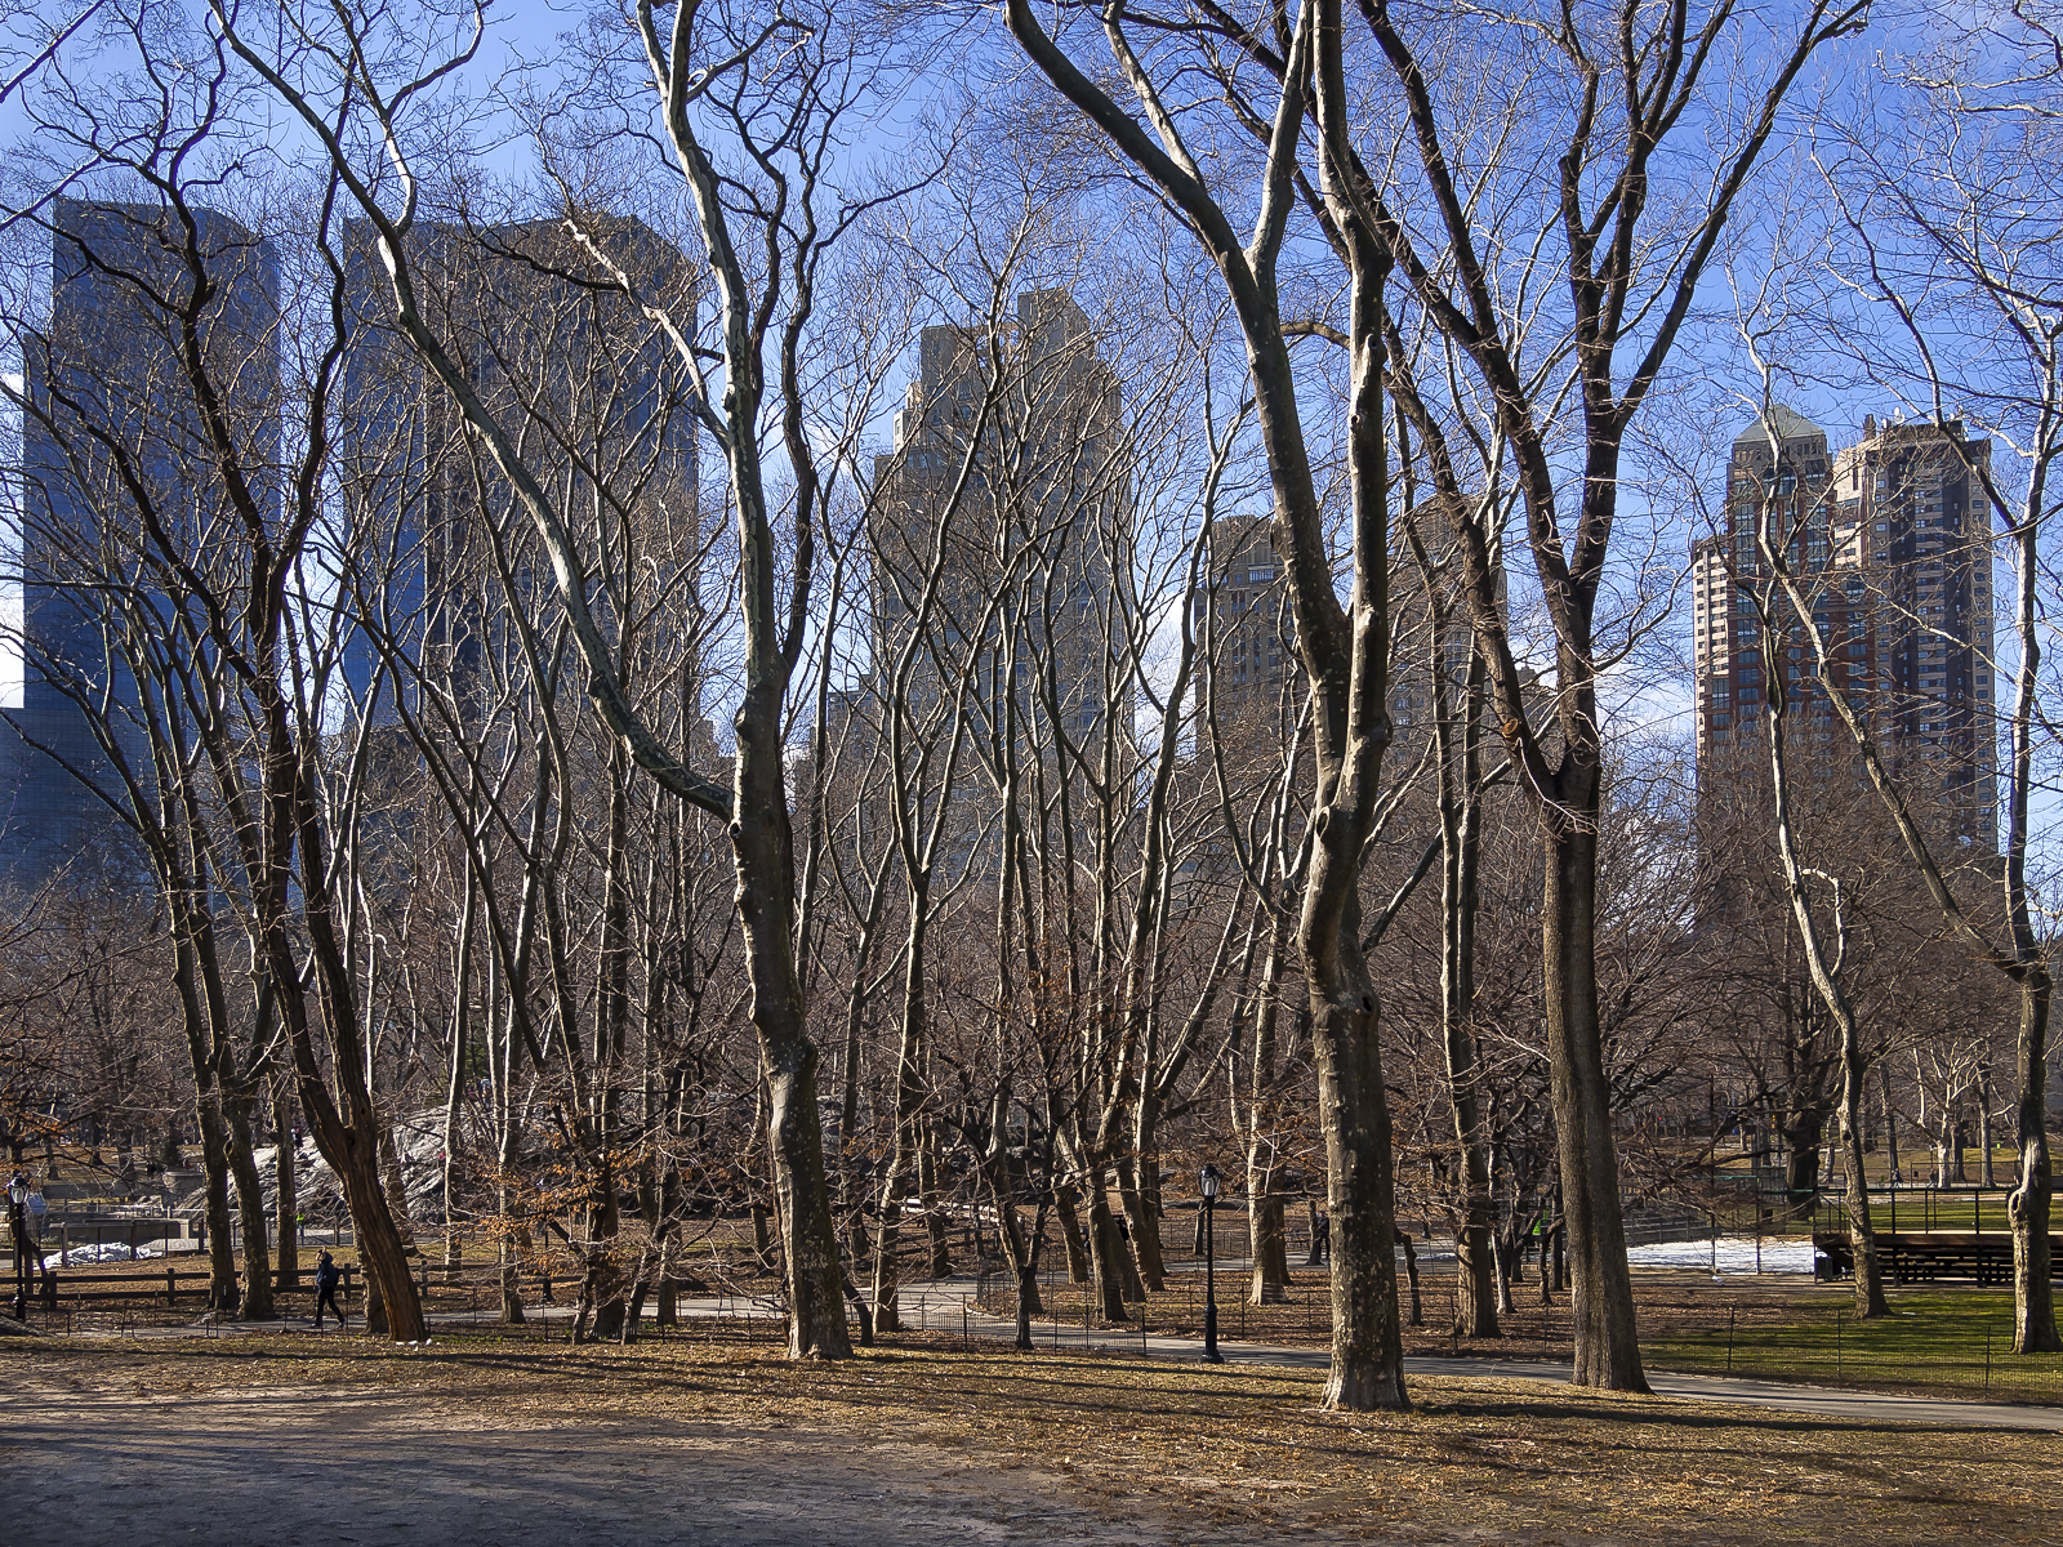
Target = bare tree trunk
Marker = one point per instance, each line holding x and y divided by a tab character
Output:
934	1206
1142	1214
1411	1278
1501	1251
454	1090
1064	1196
1607	1344
250	1209
1345	652
1823	966
603	1288
1862	1233
1116	1279
2034	1305
222	1288
1987	1173
514	1243
1269	1281
885	1300
667	1312
286	1185
1803	1134
1010	1231
397	1187
1461	798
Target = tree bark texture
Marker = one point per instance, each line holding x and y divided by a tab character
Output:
1607	1343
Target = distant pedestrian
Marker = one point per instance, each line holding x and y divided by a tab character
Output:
327	1277
1325	1238
39	1210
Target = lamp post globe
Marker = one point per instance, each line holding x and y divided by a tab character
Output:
1208	1182
17	1195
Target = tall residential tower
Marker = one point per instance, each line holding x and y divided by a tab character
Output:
1891	539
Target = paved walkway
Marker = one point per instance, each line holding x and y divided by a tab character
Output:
948	1305
942	1300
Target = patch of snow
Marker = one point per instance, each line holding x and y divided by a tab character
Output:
110	1251
1735	1254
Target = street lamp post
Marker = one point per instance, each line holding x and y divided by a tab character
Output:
1209	1182
17	1196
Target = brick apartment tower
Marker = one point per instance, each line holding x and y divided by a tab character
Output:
1891	539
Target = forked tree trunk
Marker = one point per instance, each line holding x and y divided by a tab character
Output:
1142	1215
1345	650
1017	1252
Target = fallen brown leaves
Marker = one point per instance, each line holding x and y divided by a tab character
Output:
1478	1459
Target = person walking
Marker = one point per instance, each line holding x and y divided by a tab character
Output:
327	1277
39	1211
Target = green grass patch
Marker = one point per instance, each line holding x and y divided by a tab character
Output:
1954	1343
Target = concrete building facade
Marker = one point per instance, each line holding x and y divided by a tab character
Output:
1013	531
578	376
107	373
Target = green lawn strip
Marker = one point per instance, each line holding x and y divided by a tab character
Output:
1933	1343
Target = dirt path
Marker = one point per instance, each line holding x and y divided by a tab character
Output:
280	1468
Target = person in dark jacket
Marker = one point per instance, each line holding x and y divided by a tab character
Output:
327	1276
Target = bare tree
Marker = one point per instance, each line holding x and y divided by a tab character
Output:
1949	235
749	104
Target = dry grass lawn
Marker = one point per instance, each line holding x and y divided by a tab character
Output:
1240	1453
